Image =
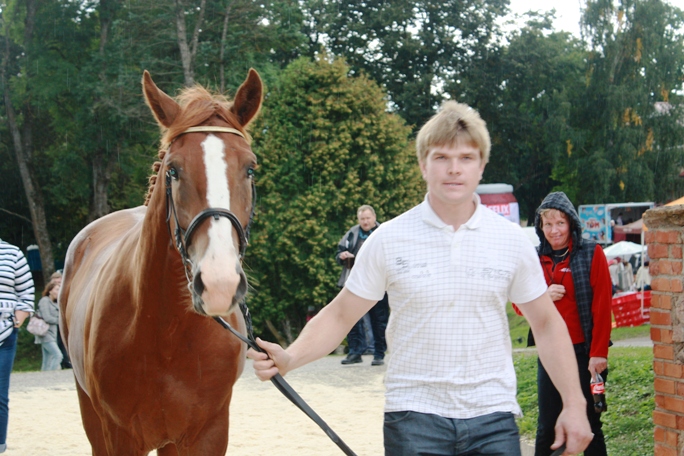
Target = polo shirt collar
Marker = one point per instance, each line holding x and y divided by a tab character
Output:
431	218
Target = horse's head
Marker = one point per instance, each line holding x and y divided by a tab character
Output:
207	166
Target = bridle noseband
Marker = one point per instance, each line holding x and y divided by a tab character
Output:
183	237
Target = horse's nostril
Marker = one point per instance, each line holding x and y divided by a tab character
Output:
197	283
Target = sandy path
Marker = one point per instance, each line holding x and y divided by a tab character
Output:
45	419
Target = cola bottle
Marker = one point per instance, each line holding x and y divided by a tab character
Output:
598	390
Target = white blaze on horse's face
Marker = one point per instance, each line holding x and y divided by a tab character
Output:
221	273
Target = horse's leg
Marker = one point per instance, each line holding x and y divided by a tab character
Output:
121	441
91	423
212	440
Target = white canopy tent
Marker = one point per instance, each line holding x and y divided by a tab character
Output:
622	249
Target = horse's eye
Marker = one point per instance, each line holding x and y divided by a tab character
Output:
250	173
173	173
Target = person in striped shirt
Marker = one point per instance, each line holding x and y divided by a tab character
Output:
16	304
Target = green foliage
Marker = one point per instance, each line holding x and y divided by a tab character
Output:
326	145
93	137
628	423
518	327
412	49
29	355
540	75
627	124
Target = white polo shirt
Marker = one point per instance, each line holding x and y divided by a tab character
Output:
448	338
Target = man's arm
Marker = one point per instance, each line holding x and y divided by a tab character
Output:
558	357
318	338
343	247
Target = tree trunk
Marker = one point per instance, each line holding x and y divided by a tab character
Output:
102	165
224	33
188	51
102	161
23	151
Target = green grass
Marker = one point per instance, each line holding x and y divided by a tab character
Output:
29	356
519	329
628	423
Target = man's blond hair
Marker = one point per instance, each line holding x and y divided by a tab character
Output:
454	124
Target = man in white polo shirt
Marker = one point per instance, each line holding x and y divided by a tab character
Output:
449	266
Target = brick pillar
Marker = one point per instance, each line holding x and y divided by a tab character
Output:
664	239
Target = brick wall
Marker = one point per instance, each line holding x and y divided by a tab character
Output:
664	238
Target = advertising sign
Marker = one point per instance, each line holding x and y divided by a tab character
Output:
593	220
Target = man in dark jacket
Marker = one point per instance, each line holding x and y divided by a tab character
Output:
347	249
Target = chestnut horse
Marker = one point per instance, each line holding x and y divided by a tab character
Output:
153	370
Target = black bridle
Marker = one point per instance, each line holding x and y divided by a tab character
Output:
182	241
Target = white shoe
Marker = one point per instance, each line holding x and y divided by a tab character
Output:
3	447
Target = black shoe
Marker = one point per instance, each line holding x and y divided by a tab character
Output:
352	359
377	361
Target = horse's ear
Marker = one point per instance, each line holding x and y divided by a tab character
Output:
164	108
247	100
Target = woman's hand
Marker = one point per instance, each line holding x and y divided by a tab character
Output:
556	292
19	317
597	365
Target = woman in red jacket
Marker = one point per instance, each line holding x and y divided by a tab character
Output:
576	272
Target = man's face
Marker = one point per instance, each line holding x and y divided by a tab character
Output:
452	173
366	220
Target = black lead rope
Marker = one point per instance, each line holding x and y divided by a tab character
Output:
559	451
285	388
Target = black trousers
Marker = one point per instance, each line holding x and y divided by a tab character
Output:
550	406
356	339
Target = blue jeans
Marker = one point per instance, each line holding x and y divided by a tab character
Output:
356	339
52	356
412	434
7	351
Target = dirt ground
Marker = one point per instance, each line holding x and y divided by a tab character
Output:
45	418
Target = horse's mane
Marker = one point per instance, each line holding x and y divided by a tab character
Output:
197	106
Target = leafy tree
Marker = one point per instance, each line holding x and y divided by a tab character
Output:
412	49
18	55
326	145
525	92
78	80
626	143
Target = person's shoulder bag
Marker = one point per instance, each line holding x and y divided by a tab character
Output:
37	326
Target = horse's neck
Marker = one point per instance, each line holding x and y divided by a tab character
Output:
160	263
